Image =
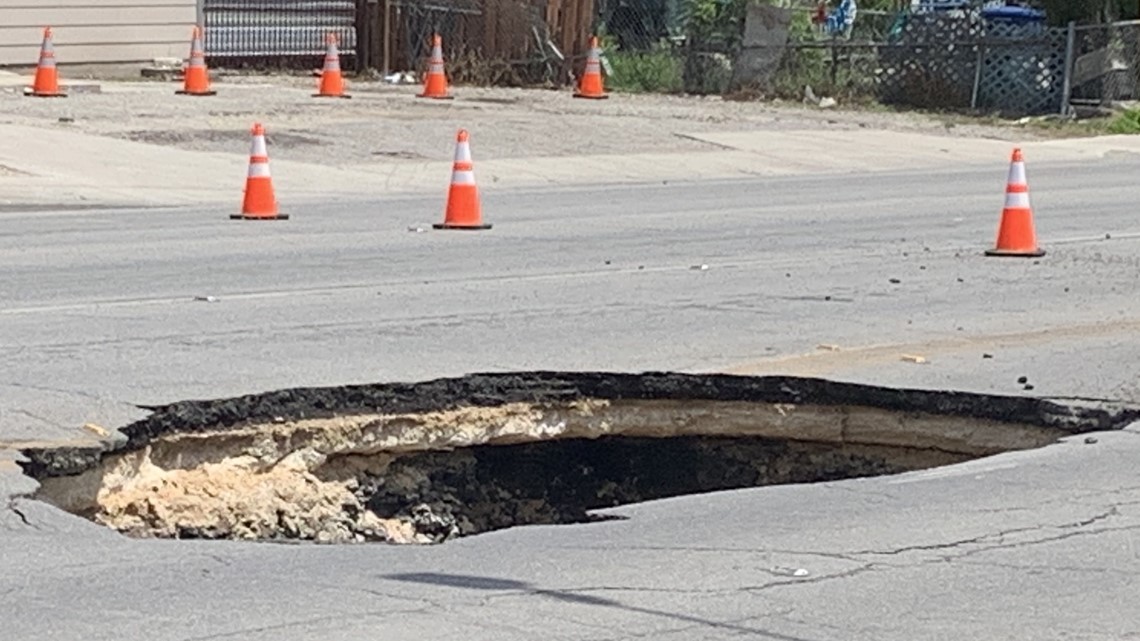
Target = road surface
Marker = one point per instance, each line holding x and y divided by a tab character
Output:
110	308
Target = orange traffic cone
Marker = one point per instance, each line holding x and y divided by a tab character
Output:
1016	236
590	86
463	208
260	203
46	84
332	82
196	80
435	85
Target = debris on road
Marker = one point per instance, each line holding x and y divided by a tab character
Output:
785	571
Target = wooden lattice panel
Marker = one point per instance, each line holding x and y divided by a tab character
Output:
1023	77
939	30
927	76
934	61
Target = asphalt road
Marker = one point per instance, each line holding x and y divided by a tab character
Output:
99	308
98	313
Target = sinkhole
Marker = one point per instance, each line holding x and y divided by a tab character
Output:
427	462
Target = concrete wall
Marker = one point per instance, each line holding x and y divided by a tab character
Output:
765	35
87	31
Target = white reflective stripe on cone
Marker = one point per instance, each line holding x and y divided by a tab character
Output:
463	152
1017	200
259	170
463	177
258	147
1017	173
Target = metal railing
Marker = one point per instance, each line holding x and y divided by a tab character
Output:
276	32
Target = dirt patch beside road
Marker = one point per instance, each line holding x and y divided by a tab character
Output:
388	123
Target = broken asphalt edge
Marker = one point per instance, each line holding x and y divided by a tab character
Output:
494	389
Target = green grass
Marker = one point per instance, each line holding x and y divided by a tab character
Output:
1127	122
644	72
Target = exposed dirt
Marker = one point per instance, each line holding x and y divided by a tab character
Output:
490	487
430	461
507	123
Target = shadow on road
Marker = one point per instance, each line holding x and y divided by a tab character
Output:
490	583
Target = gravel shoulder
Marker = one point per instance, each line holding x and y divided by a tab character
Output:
388	123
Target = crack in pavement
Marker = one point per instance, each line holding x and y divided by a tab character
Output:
386	595
869	567
986	537
242	632
1051	539
60	390
1050	568
720	550
650	590
787	616
498	626
738	622
577	596
42	419
737	625
15	510
846	574
23	517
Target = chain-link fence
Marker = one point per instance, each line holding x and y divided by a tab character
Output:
956	61
1008	70
966	58
970	58
1105	63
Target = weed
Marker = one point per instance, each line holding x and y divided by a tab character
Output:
1127	122
657	71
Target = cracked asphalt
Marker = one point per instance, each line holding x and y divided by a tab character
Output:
99	316
1016	546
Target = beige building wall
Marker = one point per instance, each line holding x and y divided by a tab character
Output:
93	31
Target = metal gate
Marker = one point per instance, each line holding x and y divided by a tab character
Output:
286	33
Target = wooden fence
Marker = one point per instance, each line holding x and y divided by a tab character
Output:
479	36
